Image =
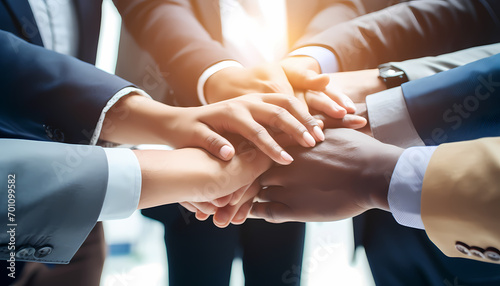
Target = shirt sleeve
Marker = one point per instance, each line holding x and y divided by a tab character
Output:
405	188
121	93
326	59
389	119
208	73
124	184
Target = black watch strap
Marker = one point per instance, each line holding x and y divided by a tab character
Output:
391	75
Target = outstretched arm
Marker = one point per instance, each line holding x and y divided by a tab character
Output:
56	192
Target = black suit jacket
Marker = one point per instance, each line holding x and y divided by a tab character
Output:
46	95
16	17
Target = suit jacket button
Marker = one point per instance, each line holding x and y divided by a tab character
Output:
49	130
477	251
25	253
43	251
462	247
54	134
58	135
492	254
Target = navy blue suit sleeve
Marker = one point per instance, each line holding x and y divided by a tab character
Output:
457	105
44	91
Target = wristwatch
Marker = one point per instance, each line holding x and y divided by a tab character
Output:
391	75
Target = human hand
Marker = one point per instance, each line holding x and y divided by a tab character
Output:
247	115
232	82
223	215
194	175
234	209
272	78
358	121
303	72
342	177
138	120
356	84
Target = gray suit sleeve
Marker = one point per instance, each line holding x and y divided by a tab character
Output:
51	196
410	30
427	66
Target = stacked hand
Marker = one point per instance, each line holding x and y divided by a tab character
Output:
248	116
292	74
264	119
300	193
192	174
341	177
326	95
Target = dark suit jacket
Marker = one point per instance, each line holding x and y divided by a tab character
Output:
46	95
457	105
393	249
411	30
185	37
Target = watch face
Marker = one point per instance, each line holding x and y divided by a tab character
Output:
390	72
392	76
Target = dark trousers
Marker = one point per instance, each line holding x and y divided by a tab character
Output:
400	255
200	253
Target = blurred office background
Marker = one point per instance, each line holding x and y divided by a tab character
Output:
136	249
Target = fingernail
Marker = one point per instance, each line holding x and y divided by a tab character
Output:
221	218
355	122
309	139
225	151
319	133
335	107
286	156
239	217
216	204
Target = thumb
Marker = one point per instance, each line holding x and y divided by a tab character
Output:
272	212
309	80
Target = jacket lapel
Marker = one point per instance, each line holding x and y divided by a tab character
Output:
22	13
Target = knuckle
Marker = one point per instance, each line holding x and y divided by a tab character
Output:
280	112
310	120
231	107
299	129
212	141
270	87
292	101
258	132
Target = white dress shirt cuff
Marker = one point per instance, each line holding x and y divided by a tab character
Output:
121	93
326	59
124	184
389	119
405	189
208	73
